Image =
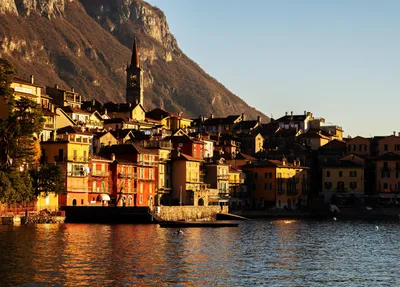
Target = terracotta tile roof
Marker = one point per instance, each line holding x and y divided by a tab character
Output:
69	109
188	157
72	130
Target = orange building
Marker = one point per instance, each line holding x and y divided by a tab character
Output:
359	146
143	173
388	173
100	183
277	184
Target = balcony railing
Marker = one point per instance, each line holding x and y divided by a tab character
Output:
223	176
78	158
77	173
100	173
49	126
127	175
148	163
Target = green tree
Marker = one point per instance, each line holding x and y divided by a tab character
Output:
15	187
48	178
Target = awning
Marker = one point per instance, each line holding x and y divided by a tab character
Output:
105	197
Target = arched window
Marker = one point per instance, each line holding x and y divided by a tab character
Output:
74	202
201	202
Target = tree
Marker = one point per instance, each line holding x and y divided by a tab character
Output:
18	134
48	178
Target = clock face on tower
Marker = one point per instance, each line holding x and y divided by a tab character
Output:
133	80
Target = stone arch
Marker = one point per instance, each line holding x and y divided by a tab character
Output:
201	202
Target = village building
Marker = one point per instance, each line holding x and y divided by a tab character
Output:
277	184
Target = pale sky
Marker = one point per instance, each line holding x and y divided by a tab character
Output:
338	59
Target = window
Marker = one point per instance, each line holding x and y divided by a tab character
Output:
255	175
268	186
385	186
361	147
340	173
328	185
353	173
150	188
82	202
141	187
268	175
141	173
328	173
94	186
141	199
397	147
385	147
353	185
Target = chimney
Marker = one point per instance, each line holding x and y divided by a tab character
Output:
305	113
32	79
394	133
93	102
73	90
243	117
211	116
113	156
259	119
291	113
56	86
285	113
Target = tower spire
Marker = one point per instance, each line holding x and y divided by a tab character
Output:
135	55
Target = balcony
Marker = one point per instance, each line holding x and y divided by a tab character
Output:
127	175
386	169
80	173
223	192
164	190
100	173
78	158
223	176
236	181
148	163
48	126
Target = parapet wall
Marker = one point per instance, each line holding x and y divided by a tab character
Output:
189	213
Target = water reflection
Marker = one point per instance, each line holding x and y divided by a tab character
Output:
259	253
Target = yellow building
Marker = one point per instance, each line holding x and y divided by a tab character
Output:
21	88
343	178
49	202
170	120
70	149
277	184
217	177
187	188
164	148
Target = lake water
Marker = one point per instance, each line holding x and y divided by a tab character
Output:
257	253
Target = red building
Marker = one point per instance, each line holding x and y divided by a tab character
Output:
138	181
99	182
188	145
123	174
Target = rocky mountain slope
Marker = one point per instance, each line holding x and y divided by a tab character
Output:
86	44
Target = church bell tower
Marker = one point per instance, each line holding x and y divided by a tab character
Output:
134	78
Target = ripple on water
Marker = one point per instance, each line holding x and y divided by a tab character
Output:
258	253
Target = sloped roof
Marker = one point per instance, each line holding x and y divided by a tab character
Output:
69	109
389	156
72	130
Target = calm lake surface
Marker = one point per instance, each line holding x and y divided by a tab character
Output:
258	253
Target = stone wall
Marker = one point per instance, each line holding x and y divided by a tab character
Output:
189	213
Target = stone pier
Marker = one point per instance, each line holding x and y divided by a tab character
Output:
190	213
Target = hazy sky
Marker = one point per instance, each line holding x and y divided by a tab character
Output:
338	59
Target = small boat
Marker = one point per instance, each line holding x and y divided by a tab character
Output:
215	223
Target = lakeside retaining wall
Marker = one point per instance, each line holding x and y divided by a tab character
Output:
190	213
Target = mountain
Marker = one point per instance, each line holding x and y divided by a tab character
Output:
86	45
